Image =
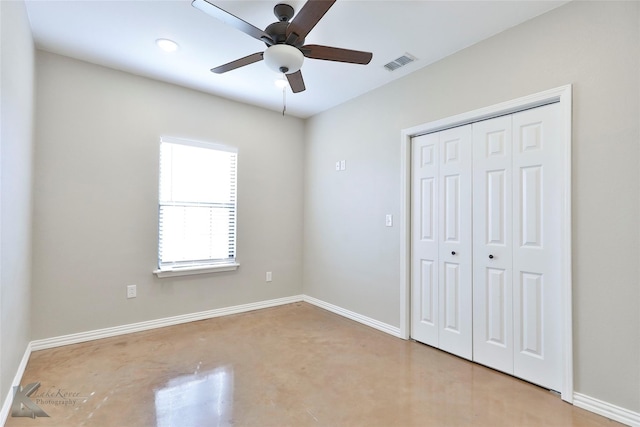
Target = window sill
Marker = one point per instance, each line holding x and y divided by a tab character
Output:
188	271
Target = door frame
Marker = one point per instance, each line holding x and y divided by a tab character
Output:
561	95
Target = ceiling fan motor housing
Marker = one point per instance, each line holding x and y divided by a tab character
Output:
278	30
278	33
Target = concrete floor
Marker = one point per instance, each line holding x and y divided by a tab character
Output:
294	365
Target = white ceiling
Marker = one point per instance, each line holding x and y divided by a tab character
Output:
121	34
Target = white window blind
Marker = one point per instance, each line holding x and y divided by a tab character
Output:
197	207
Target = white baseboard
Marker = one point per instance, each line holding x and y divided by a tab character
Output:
376	324
6	407
158	323
608	410
59	341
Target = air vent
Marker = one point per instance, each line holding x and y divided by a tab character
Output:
400	62
392	66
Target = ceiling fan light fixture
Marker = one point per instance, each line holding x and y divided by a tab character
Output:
283	58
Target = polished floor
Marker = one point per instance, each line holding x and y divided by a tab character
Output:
294	365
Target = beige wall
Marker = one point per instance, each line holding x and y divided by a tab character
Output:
96	195
16	146
352	260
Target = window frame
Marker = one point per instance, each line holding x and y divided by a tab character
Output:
196	266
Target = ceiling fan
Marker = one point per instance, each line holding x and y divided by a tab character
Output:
285	40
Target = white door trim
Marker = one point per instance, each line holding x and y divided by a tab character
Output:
563	95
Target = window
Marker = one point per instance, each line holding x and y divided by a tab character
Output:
197	207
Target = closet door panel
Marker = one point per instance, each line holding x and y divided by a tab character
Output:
425	239
536	241
455	248
492	244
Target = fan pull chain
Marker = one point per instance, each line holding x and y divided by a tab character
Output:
284	95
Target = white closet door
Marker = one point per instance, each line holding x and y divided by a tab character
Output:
424	239
441	257
536	242
492	244
511	319
455	271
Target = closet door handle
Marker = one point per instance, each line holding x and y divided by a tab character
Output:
453	252
490	256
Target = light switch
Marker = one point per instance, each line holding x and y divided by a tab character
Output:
389	220
338	165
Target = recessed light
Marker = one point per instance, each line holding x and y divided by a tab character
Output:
167	45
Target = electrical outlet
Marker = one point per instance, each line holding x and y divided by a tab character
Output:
131	291
269	277
343	165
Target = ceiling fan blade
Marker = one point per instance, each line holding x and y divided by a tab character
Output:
296	82
255	57
210	9
307	18
329	53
